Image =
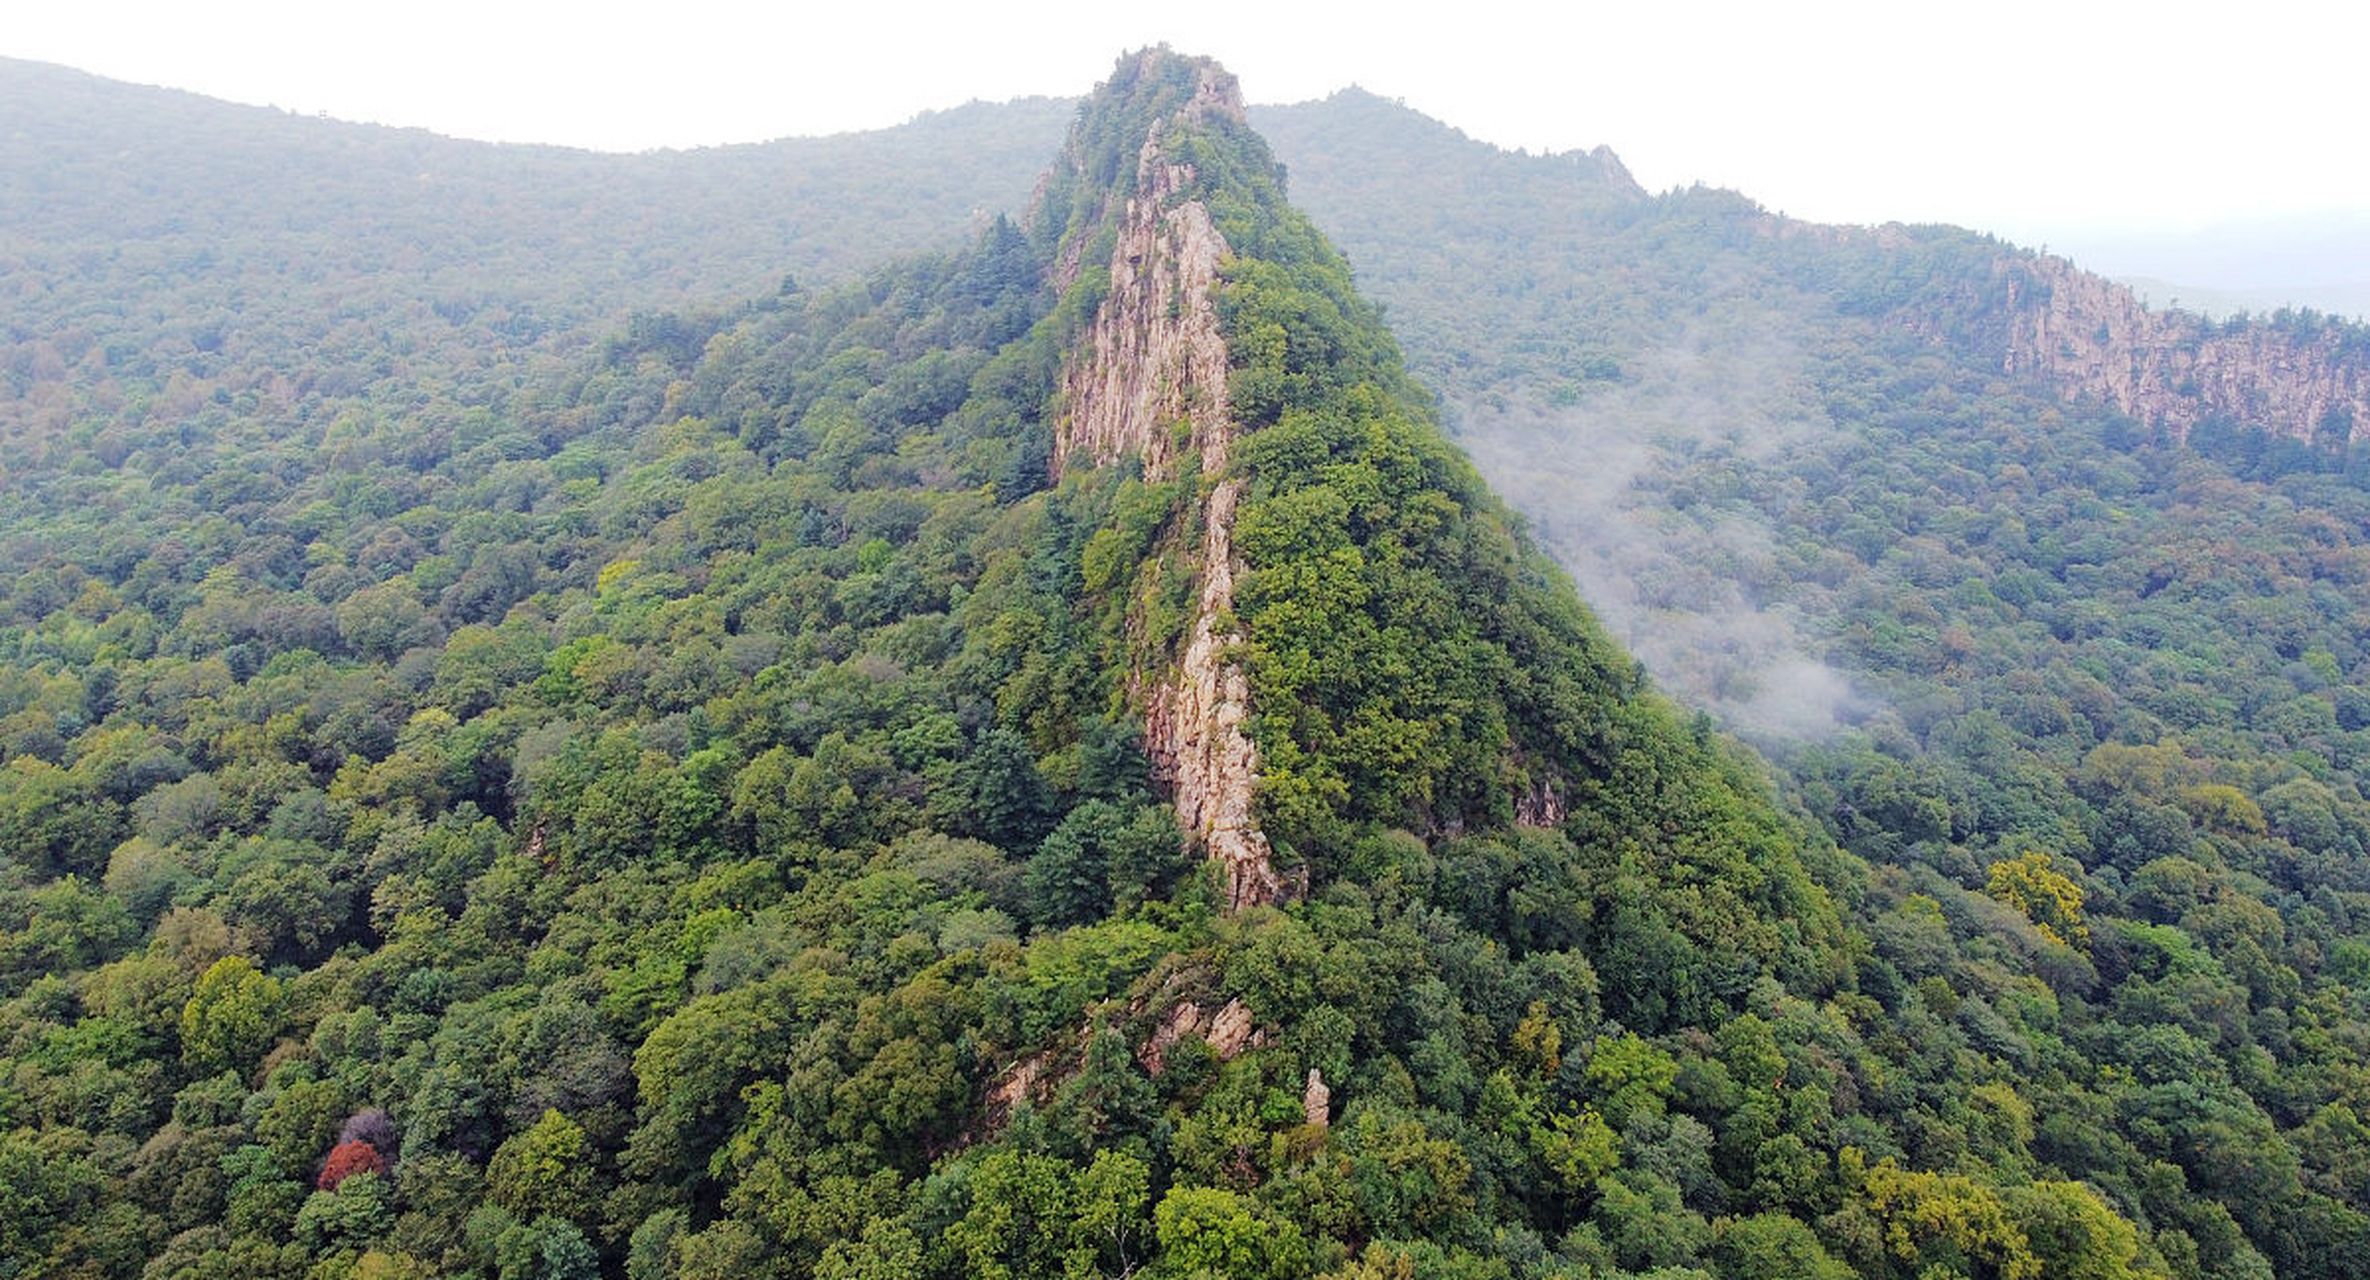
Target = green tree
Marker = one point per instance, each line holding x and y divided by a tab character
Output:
546	1171
1772	1246
348	1219
1211	1232
1011	806
231	1018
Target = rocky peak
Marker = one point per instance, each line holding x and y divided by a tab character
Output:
1606	167
1216	93
1148	380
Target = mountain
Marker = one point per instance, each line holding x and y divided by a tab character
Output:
260	204
1618	336
1044	756
1940	522
160	251
1040	759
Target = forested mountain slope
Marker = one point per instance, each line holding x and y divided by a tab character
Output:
1980	609
166	257
721	836
1043	759
105	175
1589	337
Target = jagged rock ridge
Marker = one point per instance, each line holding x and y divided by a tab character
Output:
1154	357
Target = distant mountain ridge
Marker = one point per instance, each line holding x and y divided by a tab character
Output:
2033	314
518	227
518	222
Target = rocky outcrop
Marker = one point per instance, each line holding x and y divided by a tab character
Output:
1197	726
1035	1079
1024	1081
1608	170
1539	803
1157	357
1151	383
2088	336
1316	1101
1229	1031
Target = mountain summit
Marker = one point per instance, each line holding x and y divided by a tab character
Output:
1333	625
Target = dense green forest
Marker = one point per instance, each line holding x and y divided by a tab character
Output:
1982	630
662	793
166	259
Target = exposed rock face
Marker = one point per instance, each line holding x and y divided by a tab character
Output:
1608	168
1196	726
1153	382
1228	1032
1541	805
1231	1031
1158	357
1316	1101
1021	1082
1036	1079
2090	336
1179	1023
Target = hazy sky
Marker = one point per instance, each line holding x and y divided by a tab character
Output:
2024	118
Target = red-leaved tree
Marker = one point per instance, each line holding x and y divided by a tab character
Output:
347	1159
